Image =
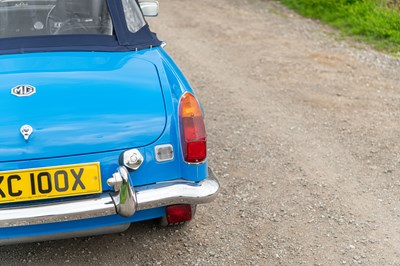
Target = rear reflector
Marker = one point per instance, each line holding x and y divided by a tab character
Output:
193	132
179	213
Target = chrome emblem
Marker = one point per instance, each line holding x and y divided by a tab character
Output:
23	90
26	131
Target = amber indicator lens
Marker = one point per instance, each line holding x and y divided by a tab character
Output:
193	133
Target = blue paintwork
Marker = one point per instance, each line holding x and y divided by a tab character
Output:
130	98
56	228
85	103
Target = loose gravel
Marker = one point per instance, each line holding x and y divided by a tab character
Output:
303	131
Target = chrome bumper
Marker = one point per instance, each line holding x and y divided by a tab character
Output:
125	201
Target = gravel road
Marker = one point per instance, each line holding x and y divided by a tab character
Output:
303	131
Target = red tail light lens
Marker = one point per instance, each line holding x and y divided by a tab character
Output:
193	132
179	213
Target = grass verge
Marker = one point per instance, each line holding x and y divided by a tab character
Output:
376	22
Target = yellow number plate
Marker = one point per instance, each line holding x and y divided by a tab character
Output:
51	182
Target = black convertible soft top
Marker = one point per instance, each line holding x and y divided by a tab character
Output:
122	40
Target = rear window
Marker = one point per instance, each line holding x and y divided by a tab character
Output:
54	17
133	15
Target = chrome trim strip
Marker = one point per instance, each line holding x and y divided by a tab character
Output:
91	232
98	206
164	194
125	202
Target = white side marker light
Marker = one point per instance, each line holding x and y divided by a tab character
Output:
164	153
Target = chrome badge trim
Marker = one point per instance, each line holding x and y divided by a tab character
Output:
26	131
23	90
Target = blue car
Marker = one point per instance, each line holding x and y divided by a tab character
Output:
98	126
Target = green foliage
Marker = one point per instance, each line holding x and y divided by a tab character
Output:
374	21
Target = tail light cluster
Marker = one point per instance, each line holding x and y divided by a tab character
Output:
193	132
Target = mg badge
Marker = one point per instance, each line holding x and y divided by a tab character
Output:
23	90
26	131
